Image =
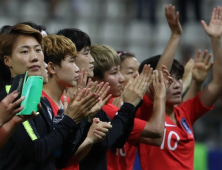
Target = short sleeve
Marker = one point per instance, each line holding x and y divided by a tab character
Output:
194	108
136	132
146	110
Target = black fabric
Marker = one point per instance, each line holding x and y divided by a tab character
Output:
122	125
72	144
21	152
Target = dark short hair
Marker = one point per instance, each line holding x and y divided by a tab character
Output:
5	29
125	54
78	37
35	26
153	61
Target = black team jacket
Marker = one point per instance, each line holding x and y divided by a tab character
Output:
122	125
39	143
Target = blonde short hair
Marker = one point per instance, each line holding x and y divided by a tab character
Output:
56	48
105	58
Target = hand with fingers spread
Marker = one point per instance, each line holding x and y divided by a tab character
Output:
201	67
214	29
79	106
187	76
98	130
136	88
159	86
167	79
81	83
173	20
8	109
102	90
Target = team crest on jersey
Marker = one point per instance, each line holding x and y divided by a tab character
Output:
185	125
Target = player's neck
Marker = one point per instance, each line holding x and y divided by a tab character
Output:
170	113
54	91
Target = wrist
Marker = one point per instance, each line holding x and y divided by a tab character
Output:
175	35
215	39
89	141
198	83
159	97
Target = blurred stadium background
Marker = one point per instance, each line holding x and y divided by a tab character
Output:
138	26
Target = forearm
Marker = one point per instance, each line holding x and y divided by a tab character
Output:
83	149
169	53
195	87
217	53
156	122
149	141
41	147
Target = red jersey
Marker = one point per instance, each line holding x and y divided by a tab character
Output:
123	158
55	108
177	148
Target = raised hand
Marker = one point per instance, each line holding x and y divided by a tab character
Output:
173	20
214	29
8	109
159	87
187	75
80	105
201	67
167	79
102	90
136	88
81	83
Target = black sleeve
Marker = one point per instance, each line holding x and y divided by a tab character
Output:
72	144
121	127
122	140
39	147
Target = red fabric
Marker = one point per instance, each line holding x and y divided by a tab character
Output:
68	99
177	149
55	108
123	158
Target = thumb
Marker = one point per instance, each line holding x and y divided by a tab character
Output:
96	120
204	24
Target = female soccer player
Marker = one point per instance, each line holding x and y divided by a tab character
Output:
177	148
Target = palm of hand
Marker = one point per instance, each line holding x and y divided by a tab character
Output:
175	26
160	90
200	72
215	28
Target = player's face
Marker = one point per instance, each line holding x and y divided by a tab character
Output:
44	70
26	55
174	93
68	74
85	60
129	68
115	79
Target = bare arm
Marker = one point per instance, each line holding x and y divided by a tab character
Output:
209	95
149	141
199	73
176	32
155	126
